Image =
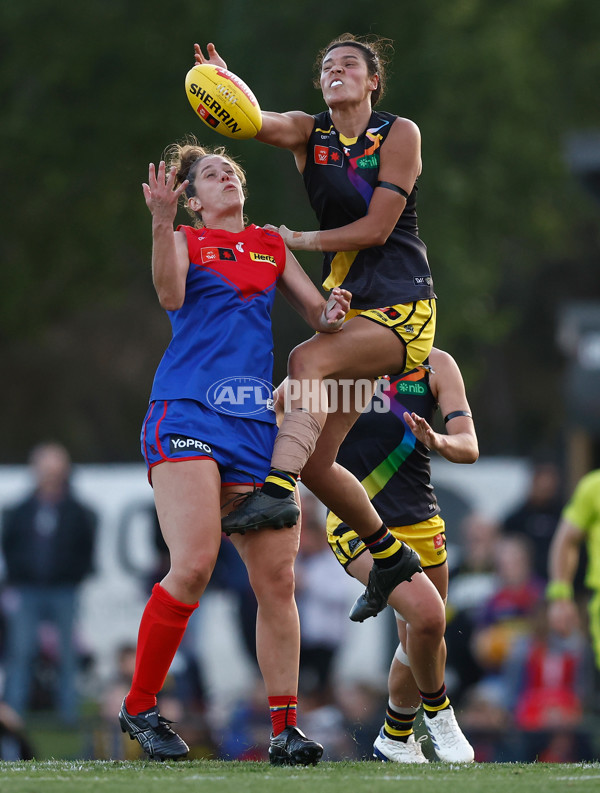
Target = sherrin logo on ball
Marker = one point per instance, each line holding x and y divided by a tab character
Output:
222	101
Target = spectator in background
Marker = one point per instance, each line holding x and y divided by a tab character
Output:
14	743
472	582
547	683
538	515
486	721
108	742
497	623
473	575
324	599
48	546
534	709
508	613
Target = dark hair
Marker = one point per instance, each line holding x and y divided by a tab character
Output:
186	156
376	52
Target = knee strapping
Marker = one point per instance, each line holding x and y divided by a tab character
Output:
401	656
295	441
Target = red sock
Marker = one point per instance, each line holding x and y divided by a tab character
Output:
161	630
283	712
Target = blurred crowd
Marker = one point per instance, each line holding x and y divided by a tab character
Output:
520	690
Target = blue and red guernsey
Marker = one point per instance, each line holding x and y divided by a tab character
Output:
223	328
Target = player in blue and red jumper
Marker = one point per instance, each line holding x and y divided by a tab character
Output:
209	431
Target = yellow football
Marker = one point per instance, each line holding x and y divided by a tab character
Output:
222	101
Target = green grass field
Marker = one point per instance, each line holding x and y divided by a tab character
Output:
218	776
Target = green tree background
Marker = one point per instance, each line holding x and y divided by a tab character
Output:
91	92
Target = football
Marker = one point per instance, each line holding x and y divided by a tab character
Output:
222	101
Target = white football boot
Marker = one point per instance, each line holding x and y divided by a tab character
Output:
449	743
385	749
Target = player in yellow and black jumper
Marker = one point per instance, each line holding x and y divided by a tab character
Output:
388	449
360	168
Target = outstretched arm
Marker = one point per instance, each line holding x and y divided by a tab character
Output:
459	443
400	166
326	316
289	130
170	260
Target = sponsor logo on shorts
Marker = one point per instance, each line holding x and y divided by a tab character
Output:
422	280
328	155
182	443
389	313
438	541
263	257
217	254
354	544
241	396
340	555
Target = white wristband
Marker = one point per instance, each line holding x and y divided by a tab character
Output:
306	241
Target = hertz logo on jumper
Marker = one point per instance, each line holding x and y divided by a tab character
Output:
262	257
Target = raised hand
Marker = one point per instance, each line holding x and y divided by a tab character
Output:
213	56
160	192
421	430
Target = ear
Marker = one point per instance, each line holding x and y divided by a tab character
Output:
374	82
194	204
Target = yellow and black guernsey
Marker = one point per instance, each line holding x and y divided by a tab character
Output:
340	176
382	452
